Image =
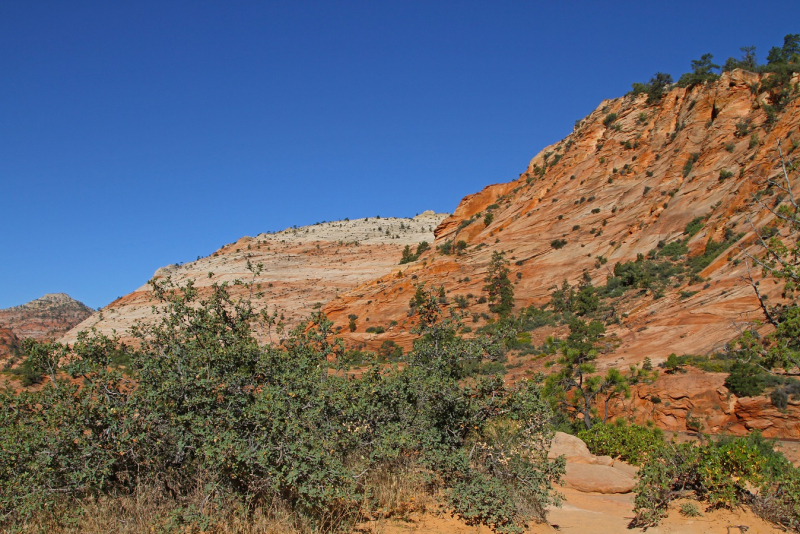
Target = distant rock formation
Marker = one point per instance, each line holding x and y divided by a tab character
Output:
47	317
303	268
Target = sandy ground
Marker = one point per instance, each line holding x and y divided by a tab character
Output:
586	513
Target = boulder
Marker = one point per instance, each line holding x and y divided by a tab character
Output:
598	478
571	447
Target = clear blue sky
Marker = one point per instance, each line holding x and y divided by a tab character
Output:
137	134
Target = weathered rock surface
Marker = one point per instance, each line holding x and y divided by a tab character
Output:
303	268
9	344
589	473
44	318
612	192
593	478
698	401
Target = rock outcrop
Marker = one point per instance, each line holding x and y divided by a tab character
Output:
47	317
589	473
628	180
611	190
302	269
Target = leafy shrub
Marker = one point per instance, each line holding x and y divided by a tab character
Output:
205	404
655	88
745	380
609	119
687	168
558	243
724	175
694	226
631	443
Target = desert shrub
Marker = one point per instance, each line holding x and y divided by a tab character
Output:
687	168
694	226
206	406
634	444
745	380
722	474
712	251
674	249
558	243
532	318
655	88
390	351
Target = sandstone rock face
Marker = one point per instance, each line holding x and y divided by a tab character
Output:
9	344
589	473
44	318
699	401
303	268
593	478
612	192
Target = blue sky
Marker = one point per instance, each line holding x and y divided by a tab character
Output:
137	134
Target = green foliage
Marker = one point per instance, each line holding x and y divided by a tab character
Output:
687	168
558	243
655	88
446	248
724	175
694	226
747	61
701	72
631	443
674	250
609	119
745	380
642	273
721	474
409	257
488	218
390	351
689	509
575	389
581	301
712	251
206	404
499	289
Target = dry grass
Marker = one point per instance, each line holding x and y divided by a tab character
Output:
389	495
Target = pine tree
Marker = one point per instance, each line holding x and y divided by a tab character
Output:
498	287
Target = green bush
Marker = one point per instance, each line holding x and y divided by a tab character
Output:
631	443
745	380
206	406
722	474
609	119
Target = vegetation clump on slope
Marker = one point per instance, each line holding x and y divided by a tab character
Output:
203	405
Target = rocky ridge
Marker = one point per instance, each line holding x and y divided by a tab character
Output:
47	317
629	179
303	268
